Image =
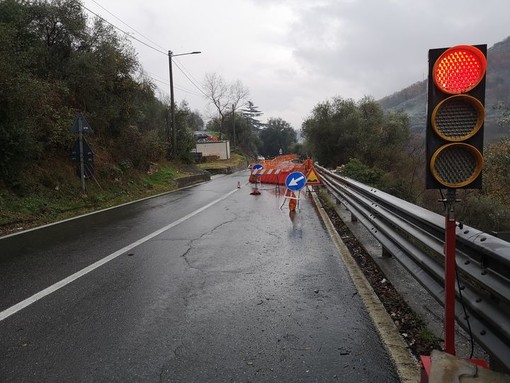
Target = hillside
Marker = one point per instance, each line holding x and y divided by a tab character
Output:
413	99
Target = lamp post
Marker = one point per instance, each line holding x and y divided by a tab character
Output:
172	109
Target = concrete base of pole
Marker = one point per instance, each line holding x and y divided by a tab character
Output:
441	367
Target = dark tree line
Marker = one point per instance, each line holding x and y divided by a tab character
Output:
373	145
56	62
278	136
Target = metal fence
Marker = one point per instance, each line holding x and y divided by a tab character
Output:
415	237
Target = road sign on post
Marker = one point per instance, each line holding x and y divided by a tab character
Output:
80	126
295	181
256	168
312	178
85	127
455	117
257	172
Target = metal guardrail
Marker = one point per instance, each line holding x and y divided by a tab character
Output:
415	237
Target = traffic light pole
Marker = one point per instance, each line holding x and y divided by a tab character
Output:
450	273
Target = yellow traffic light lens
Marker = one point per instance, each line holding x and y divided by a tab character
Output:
458	118
456	165
459	69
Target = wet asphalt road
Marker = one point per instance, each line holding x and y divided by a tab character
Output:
232	291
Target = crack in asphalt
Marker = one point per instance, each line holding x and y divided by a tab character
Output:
191	242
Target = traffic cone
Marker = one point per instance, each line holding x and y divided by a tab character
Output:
239	184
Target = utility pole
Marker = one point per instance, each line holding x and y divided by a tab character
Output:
172	110
234	124
172	107
82	161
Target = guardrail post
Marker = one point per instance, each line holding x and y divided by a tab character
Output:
386	253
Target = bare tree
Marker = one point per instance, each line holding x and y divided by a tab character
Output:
238	94
225	97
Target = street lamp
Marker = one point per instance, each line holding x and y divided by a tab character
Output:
172	110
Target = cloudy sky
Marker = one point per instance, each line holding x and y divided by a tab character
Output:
293	54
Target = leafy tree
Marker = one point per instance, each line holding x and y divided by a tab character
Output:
375	144
53	65
339	130
185	137
251	113
213	125
357	170
246	136
484	211
496	177
278	134
195	121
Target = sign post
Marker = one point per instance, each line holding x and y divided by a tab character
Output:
257	172
81	126
294	182
312	178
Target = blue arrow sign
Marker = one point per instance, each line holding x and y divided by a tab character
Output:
295	181
257	167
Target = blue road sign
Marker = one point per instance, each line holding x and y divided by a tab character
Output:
295	181
256	168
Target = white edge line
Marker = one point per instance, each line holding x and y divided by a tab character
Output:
51	289
98	211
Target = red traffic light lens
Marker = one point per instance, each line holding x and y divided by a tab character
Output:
459	69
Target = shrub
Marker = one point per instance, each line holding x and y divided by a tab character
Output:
360	172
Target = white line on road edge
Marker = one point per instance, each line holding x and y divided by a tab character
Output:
47	291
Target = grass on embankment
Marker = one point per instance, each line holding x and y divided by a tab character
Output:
52	192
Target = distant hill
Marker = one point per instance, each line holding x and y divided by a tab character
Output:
413	99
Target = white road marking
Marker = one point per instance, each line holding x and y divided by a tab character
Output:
47	291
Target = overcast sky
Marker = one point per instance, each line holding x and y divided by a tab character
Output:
293	54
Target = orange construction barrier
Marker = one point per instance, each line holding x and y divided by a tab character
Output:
276	170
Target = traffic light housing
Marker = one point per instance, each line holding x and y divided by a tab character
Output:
455	117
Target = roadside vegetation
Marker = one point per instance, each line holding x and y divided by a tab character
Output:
56	201
58	61
375	146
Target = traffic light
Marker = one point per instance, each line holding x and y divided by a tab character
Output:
455	117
